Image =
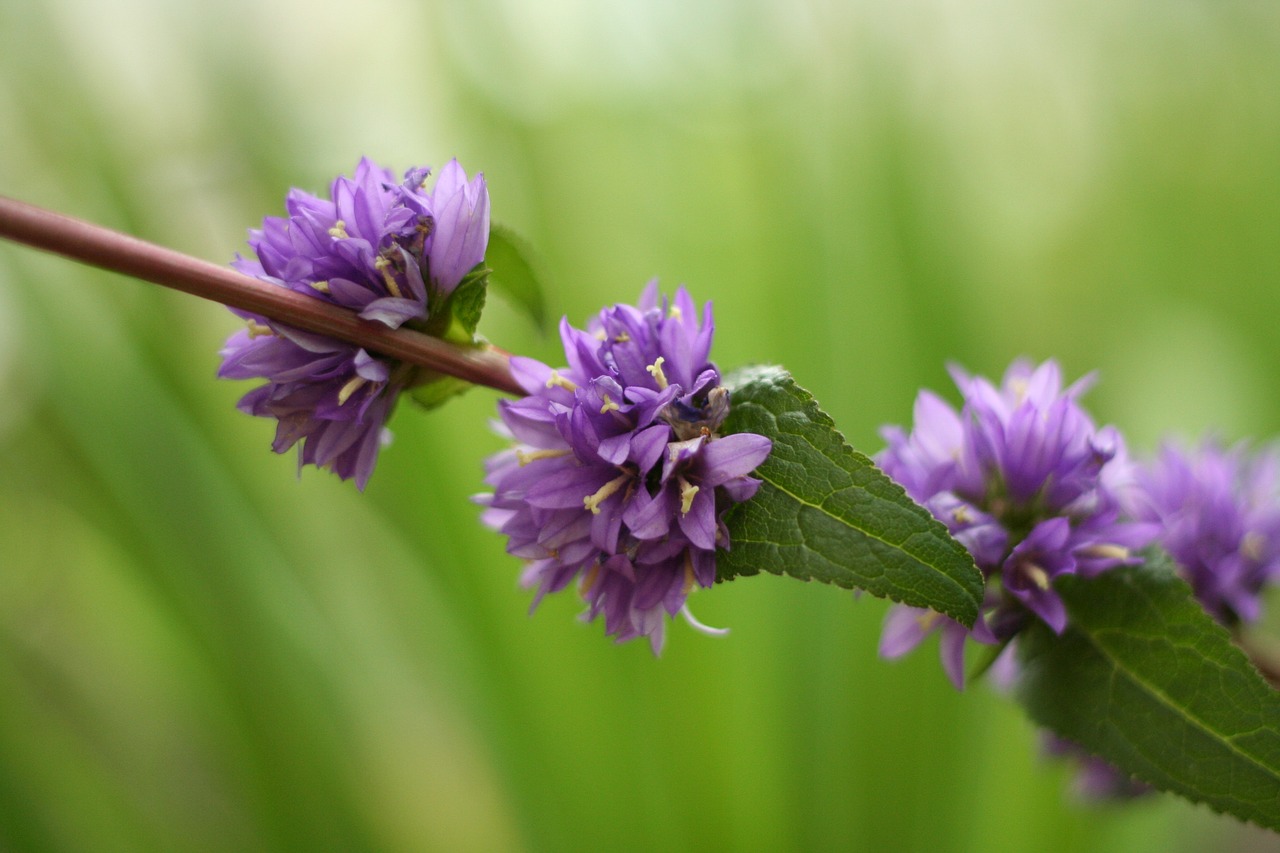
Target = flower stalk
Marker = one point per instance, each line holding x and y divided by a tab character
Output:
102	247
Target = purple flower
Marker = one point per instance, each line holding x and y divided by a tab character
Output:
393	253
1219	519
1027	483
618	479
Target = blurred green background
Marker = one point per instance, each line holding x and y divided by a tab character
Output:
199	651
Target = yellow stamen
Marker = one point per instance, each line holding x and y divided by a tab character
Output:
558	381
524	457
655	370
339	230
589	580
1251	546
1106	551
257	330
350	388
609	405
674	312
962	515
600	335
689	578
621	338
384	266
592	502
687	494
1036	575
1020	389
322	286
927	620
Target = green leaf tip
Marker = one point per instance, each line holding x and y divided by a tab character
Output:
516	273
825	512
1144	678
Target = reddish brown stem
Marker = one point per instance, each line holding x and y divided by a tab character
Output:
101	247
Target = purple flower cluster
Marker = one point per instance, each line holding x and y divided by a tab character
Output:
1023	478
618	478
391	251
1219	518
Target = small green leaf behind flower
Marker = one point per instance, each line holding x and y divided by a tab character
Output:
516	273
511	267
1146	679
825	512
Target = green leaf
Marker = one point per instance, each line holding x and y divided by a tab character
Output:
516	272
464	306
1146	679
438	390
826	513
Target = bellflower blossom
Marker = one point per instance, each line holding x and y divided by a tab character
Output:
1219	516
1027	483
619	479
391	251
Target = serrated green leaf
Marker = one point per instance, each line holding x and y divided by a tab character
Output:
826	513
516	272
1146	679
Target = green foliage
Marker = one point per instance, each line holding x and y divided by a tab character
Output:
516	272
826	513
1146	679
458	317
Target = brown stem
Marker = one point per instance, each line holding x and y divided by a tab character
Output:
101	247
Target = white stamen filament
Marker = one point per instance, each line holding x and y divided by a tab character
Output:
1036	575
698	626
1106	551
524	457
558	381
593	501
257	330
655	370
687	494
384	266
350	388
